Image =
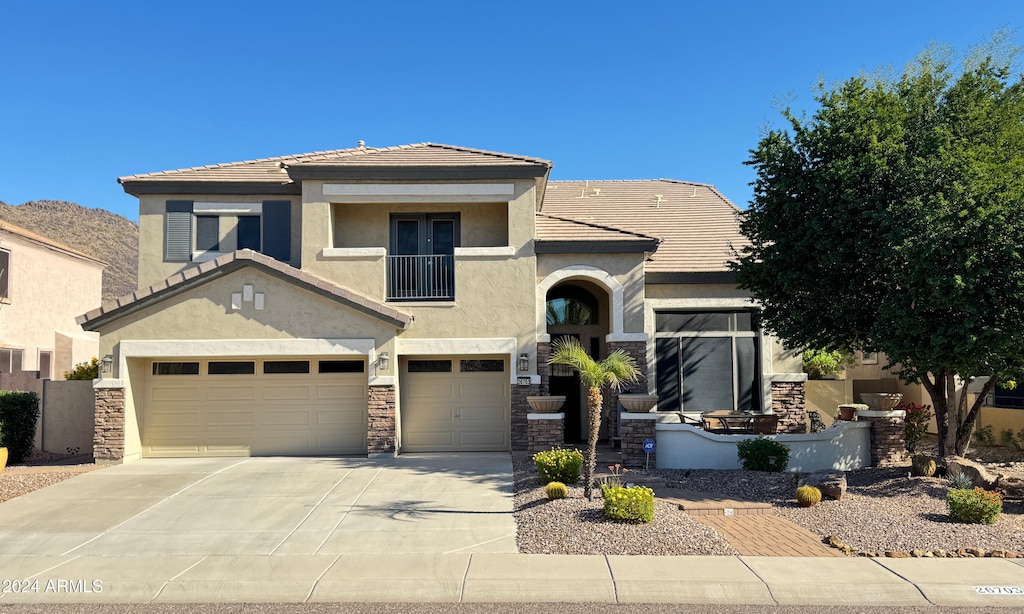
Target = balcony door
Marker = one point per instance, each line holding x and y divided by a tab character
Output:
421	264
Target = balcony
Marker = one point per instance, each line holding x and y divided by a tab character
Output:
421	278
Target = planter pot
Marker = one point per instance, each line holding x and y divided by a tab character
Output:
847	412
638	403
3	459
546	405
881	401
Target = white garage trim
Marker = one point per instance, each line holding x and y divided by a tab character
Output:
505	346
206	348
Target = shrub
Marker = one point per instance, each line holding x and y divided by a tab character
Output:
984	436
1008	438
808	496
556	490
558	465
923	466
762	454
821	363
975	506
628	504
19	412
915	425
84	370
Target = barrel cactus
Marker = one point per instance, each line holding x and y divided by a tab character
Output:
556	490
923	466
808	496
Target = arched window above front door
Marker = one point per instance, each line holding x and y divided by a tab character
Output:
570	306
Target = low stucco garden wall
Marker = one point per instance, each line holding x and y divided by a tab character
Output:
66	417
844	446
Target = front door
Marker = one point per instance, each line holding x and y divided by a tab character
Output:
565	381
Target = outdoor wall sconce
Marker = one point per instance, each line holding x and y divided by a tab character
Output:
524	363
106	365
383	362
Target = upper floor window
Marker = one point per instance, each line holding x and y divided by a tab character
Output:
5	274
421	262
192	228
10	360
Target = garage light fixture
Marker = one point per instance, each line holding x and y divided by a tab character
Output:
383	362
524	363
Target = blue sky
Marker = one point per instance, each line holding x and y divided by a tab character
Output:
624	90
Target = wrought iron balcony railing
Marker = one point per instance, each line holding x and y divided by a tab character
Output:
421	278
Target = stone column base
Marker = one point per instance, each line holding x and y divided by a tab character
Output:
108	430
635	429
381	425
546	431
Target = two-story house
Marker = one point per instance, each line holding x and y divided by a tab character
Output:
405	299
44	285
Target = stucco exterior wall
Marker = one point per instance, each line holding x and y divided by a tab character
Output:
368	224
48	290
627	269
204	313
152	267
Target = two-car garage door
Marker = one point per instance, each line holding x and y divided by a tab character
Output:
254	407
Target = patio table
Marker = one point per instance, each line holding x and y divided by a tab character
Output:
728	423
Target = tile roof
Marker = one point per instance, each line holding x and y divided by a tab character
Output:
274	170
189	278
38	238
698	226
556	228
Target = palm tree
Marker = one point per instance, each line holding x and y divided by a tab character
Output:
617	369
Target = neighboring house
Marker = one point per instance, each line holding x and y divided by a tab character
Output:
405	299
44	285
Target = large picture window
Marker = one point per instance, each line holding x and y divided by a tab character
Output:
707	361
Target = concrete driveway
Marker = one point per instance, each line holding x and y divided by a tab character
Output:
423	503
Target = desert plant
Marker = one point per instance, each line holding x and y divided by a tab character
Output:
617	369
808	496
628	503
19	412
823	363
762	454
615	479
923	466
915	424
975	506
983	436
558	465
84	370
958	480
556	490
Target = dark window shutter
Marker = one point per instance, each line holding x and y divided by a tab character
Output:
277	229
178	231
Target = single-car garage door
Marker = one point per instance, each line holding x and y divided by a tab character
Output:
254	407
455	404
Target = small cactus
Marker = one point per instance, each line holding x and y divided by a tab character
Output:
808	496
923	466
556	490
960	480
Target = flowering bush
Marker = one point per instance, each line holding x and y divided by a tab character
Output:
974	506
628	504
558	465
915	425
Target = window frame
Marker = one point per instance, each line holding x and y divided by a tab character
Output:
5	278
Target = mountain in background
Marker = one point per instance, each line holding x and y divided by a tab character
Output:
96	232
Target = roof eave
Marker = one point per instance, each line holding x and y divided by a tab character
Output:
139	187
542	246
416	173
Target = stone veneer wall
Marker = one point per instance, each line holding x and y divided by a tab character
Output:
788	404
635	429
380	428
108	434
637	350
520	409
546	431
887	441
543	368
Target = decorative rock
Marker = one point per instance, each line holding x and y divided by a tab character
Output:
928	554
976	552
1012	487
832	484
897	555
939	552
917	553
835	542
997	554
979	474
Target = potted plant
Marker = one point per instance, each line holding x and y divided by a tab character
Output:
825	364
545	404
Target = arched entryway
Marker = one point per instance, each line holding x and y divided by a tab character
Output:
581	309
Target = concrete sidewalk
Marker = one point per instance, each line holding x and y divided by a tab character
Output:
496	577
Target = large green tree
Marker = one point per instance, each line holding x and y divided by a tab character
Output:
892	220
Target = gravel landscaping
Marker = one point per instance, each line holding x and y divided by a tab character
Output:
883	510
39	470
